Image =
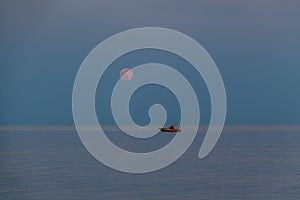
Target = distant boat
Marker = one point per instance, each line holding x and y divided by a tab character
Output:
170	129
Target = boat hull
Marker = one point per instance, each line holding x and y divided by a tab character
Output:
170	130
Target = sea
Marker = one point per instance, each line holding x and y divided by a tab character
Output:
245	164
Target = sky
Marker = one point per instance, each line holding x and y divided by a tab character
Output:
255	45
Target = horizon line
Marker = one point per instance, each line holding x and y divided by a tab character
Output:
233	128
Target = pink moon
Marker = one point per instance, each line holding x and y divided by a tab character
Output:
126	74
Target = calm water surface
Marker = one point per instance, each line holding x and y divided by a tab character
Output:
243	165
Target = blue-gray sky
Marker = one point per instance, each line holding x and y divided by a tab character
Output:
255	45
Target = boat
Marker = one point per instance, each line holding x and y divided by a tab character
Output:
170	129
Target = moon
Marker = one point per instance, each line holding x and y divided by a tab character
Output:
126	74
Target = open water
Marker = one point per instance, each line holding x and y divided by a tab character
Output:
260	165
